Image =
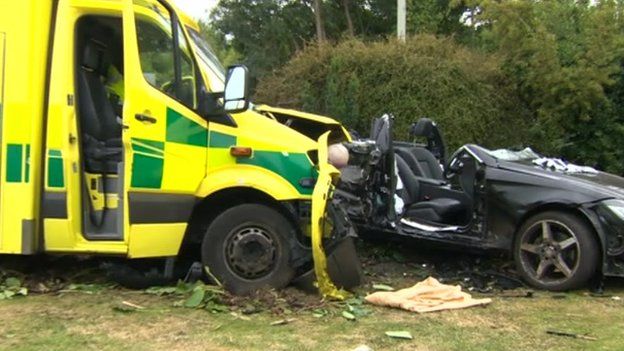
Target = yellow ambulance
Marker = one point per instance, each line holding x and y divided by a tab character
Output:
122	135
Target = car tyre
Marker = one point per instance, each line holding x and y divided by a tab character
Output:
556	251
247	247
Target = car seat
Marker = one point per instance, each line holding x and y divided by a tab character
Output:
438	210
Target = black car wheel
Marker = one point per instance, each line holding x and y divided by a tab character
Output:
247	248
556	251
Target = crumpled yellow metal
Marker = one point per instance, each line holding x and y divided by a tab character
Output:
323	189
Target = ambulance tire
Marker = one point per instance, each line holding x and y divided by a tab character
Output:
247	248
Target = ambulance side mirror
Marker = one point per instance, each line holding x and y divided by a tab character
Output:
236	95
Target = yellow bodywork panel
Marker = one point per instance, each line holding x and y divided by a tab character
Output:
328	174
156	240
24	32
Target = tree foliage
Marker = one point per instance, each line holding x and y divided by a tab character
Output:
268	32
552	70
565	58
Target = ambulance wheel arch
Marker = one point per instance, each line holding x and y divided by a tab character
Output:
220	201
247	176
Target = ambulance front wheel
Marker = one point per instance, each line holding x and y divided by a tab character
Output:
247	248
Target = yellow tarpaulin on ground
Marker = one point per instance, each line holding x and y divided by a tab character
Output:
427	296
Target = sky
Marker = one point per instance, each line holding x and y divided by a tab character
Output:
198	9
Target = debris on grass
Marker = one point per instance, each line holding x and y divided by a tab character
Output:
427	296
354	309
239	316
127	307
348	316
161	290
571	335
320	312
400	334
383	287
283	321
194	295
518	294
11	287
88	289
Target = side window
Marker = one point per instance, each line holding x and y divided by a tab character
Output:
188	71
157	53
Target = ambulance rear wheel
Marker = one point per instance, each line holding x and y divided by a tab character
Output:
247	248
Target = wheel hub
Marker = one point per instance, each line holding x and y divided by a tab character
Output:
251	252
549	252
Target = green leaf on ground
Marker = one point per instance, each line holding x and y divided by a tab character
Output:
383	287
348	316
196	298
12	282
400	334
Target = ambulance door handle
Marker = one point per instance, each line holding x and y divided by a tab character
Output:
145	118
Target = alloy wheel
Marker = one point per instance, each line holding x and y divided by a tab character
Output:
550	252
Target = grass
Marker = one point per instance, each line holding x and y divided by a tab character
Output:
76	321
79	320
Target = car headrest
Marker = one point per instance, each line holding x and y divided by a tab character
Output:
422	128
94	57
381	133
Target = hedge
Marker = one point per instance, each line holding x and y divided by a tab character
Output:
463	90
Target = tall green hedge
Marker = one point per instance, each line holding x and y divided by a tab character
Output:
354	82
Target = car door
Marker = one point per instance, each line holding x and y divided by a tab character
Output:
164	139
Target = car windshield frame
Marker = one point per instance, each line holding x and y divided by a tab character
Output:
207	58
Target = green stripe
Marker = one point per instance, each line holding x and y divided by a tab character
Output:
27	163
14	163
150	147
292	167
157	145
185	131
56	178
220	140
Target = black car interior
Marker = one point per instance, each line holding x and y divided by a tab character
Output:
427	195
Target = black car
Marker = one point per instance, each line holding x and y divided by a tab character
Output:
563	224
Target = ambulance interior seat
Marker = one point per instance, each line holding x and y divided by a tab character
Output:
99	124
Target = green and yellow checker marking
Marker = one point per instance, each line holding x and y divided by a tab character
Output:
18	163
149	155
148	163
